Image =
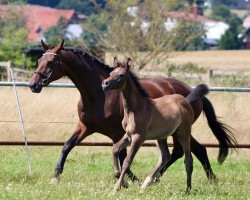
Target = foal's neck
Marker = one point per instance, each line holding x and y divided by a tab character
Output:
132	99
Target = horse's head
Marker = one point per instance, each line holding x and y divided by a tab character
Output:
118	76
49	68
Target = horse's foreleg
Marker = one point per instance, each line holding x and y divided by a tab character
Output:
201	153
137	140
165	156
80	133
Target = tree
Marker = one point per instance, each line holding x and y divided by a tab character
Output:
221	12
85	7
143	28
230	39
13	39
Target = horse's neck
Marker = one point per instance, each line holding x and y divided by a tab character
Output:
132	98
86	79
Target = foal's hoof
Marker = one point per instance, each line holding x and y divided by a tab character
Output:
143	189
54	180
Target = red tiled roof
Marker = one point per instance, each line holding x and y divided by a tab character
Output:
38	17
188	16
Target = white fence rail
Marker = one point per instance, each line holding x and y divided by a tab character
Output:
71	85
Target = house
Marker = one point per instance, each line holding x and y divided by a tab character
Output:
39	19
213	29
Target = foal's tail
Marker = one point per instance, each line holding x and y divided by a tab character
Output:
221	131
198	92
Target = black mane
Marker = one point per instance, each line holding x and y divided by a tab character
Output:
85	55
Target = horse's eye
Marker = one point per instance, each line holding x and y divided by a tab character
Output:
50	63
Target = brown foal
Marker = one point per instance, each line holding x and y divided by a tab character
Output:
152	119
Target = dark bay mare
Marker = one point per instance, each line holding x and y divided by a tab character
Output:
152	119
97	112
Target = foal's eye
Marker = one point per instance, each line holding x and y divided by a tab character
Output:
120	76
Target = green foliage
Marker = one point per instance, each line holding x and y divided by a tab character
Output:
13	40
230	39
113	28
224	2
82	6
221	12
16	2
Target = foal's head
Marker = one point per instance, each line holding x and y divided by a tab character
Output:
48	69
118	77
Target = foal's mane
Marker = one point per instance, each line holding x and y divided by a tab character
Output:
135	79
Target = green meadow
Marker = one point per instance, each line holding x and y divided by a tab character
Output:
88	174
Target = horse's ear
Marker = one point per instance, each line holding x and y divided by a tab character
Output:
129	62
115	62
45	46
60	46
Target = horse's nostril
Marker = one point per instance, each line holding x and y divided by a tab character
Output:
106	83
44	82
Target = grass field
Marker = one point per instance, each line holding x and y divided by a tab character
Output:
88	174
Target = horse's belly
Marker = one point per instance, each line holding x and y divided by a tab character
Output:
162	129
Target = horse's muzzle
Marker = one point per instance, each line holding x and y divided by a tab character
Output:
36	88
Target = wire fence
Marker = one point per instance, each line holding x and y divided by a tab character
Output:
146	144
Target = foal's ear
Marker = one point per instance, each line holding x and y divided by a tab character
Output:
45	46
115	62
129	62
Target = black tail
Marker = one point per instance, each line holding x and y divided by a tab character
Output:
198	92
222	132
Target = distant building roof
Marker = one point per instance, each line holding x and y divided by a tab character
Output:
38	18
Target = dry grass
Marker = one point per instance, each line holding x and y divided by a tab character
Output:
59	105
221	60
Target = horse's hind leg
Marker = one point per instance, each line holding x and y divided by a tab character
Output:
165	156
177	153
80	133
201	153
131	175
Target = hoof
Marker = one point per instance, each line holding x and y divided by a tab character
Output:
125	184
143	189
54	180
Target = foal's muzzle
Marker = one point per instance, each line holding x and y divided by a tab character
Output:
105	85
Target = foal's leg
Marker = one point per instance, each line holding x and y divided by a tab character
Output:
184	138
117	148
80	133
165	155
137	140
